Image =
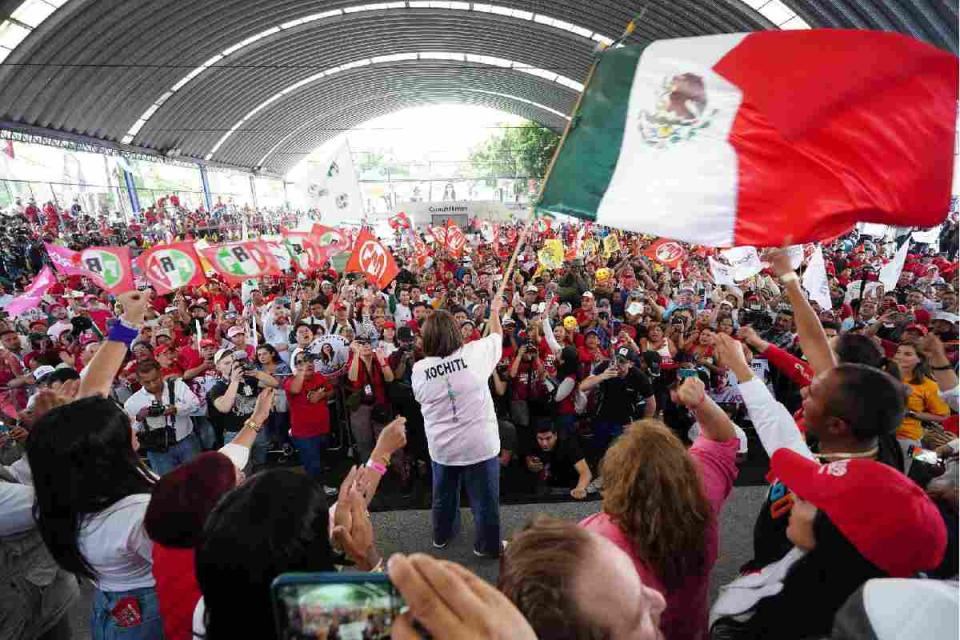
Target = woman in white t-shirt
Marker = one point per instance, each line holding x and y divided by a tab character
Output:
92	492
450	384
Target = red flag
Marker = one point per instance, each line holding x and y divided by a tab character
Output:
239	261
454	240
420	251
667	252
108	267
373	260
439	235
171	266
399	221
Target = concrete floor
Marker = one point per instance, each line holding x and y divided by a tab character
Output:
409	531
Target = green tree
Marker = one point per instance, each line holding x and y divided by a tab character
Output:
520	152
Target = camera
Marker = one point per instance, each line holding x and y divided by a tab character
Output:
155	410
603	315
759	320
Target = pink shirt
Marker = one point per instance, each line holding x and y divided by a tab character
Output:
686	614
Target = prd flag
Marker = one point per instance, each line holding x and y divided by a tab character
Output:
239	261
669	253
373	260
764	139
611	244
454	240
170	267
551	255
108	267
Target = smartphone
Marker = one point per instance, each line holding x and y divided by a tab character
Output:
687	373
335	605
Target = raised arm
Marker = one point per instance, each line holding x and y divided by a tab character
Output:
98	376
714	422
774	424
813	340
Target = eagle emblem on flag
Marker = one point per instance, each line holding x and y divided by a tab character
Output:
681	110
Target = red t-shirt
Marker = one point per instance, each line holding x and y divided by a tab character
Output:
308	419
177	590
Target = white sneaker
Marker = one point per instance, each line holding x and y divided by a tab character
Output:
596	485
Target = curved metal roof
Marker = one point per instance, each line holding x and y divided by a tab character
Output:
250	83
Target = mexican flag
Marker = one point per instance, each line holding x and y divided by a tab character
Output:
761	139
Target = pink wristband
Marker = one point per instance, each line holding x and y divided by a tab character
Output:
376	466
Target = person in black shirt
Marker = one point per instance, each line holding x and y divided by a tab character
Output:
559	462
232	397
625	395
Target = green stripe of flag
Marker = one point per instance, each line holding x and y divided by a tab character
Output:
589	152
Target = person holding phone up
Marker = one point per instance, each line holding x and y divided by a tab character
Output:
625	395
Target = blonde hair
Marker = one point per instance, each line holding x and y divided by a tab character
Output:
653	491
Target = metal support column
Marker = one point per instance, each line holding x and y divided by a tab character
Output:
131	191
253	191
206	187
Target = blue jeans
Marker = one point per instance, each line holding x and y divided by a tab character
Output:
311	452
258	452
103	626
483	488
604	433
183	451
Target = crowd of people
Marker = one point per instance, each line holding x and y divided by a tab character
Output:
139	429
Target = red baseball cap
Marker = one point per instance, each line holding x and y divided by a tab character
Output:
163	348
919	328
207	342
389	325
884	514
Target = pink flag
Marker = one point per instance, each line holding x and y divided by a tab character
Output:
33	294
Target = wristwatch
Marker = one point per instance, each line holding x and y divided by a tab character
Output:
789	276
250	422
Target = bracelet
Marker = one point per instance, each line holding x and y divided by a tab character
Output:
122	332
253	425
946	367
790	276
376	466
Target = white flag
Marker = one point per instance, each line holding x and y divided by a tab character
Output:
815	280
745	262
333	189
795	251
722	273
890	272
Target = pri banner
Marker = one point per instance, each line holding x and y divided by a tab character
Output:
373	260
745	261
33	294
108	267
306	255
239	261
170	267
669	253
332	241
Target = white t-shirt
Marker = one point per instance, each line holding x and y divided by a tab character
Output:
116	545
454	397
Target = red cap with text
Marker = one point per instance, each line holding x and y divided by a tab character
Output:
884	514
